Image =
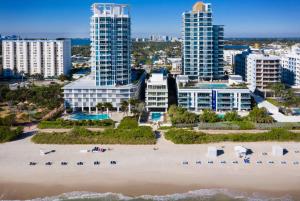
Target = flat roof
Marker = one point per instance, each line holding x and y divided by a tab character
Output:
87	82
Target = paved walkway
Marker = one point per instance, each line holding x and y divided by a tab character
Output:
274	110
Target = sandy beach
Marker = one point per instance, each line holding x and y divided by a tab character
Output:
142	170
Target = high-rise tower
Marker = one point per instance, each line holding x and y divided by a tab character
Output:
202	44
111	44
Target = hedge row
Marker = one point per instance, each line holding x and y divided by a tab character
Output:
140	135
181	136
61	123
8	134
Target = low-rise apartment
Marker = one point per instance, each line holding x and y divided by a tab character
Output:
217	96
157	93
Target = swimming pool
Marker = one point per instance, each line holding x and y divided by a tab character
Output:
156	116
82	116
221	116
213	86
296	111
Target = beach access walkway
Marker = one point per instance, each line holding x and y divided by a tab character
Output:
274	110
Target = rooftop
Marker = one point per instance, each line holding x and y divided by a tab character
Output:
210	85
110	10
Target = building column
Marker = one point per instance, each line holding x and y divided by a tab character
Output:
118	109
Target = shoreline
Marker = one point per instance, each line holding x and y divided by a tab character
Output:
28	191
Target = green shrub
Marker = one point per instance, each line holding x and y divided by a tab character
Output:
232	116
260	115
128	122
180	136
245	125
8	134
181	116
60	123
8	120
209	116
165	127
219	126
139	135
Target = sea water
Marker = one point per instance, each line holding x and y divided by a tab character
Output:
198	195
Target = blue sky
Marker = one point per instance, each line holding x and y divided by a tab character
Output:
70	18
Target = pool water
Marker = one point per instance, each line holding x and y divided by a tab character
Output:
82	116
221	116
155	116
296	111
213	86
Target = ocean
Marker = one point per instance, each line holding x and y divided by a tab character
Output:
80	41
199	195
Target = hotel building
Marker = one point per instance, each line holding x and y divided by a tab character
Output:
203	44
111	79
157	93
49	58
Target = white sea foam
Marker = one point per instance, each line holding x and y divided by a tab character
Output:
202	194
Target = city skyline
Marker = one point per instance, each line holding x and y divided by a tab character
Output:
241	18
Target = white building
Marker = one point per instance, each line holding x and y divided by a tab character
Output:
262	71
111	79
157	93
235	80
217	96
229	59
84	95
50	58
291	67
176	65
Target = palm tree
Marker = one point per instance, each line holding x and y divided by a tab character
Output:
124	106
100	106
108	106
133	104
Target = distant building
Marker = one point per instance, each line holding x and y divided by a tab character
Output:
49	58
217	96
291	67
157	93
176	65
229	59
203	44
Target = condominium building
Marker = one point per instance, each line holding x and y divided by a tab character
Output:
291	67
111	44
203	44
261	72
111	79
217	96
157	93
49	58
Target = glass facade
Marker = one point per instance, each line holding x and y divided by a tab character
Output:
111	44
202	44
